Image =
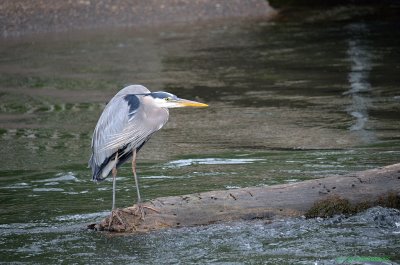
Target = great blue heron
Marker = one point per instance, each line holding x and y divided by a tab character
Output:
126	124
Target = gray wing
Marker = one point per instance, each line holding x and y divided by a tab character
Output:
135	127
112	121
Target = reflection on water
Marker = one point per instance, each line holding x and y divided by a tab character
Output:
360	57
276	93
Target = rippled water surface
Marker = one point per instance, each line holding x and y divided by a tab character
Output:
289	101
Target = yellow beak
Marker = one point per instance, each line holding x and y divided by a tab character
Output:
189	103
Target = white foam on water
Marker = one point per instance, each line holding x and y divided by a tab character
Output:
52	183
78	217
211	161
291	180
158	177
47	189
232	187
60	177
21	185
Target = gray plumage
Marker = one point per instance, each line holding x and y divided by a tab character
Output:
123	126
126	124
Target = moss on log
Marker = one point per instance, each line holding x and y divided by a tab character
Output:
318	197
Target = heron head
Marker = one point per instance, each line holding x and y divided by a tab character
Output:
167	100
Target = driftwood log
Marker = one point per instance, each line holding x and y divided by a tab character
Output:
316	197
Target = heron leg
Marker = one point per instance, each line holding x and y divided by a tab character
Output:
139	199
114	212
114	175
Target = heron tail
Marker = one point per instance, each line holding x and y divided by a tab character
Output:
101	172
96	170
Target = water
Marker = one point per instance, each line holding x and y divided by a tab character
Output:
289	101
369	235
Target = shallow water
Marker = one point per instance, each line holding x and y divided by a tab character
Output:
289	101
371	235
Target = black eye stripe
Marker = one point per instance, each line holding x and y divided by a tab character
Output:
163	95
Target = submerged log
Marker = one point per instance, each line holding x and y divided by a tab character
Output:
316	197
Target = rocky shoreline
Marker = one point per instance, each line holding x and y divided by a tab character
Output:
24	17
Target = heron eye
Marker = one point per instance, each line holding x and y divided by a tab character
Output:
168	99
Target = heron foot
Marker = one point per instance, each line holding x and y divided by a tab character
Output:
115	213
151	208
139	210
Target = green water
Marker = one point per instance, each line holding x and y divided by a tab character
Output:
289	101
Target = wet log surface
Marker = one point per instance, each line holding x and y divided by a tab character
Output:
347	193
